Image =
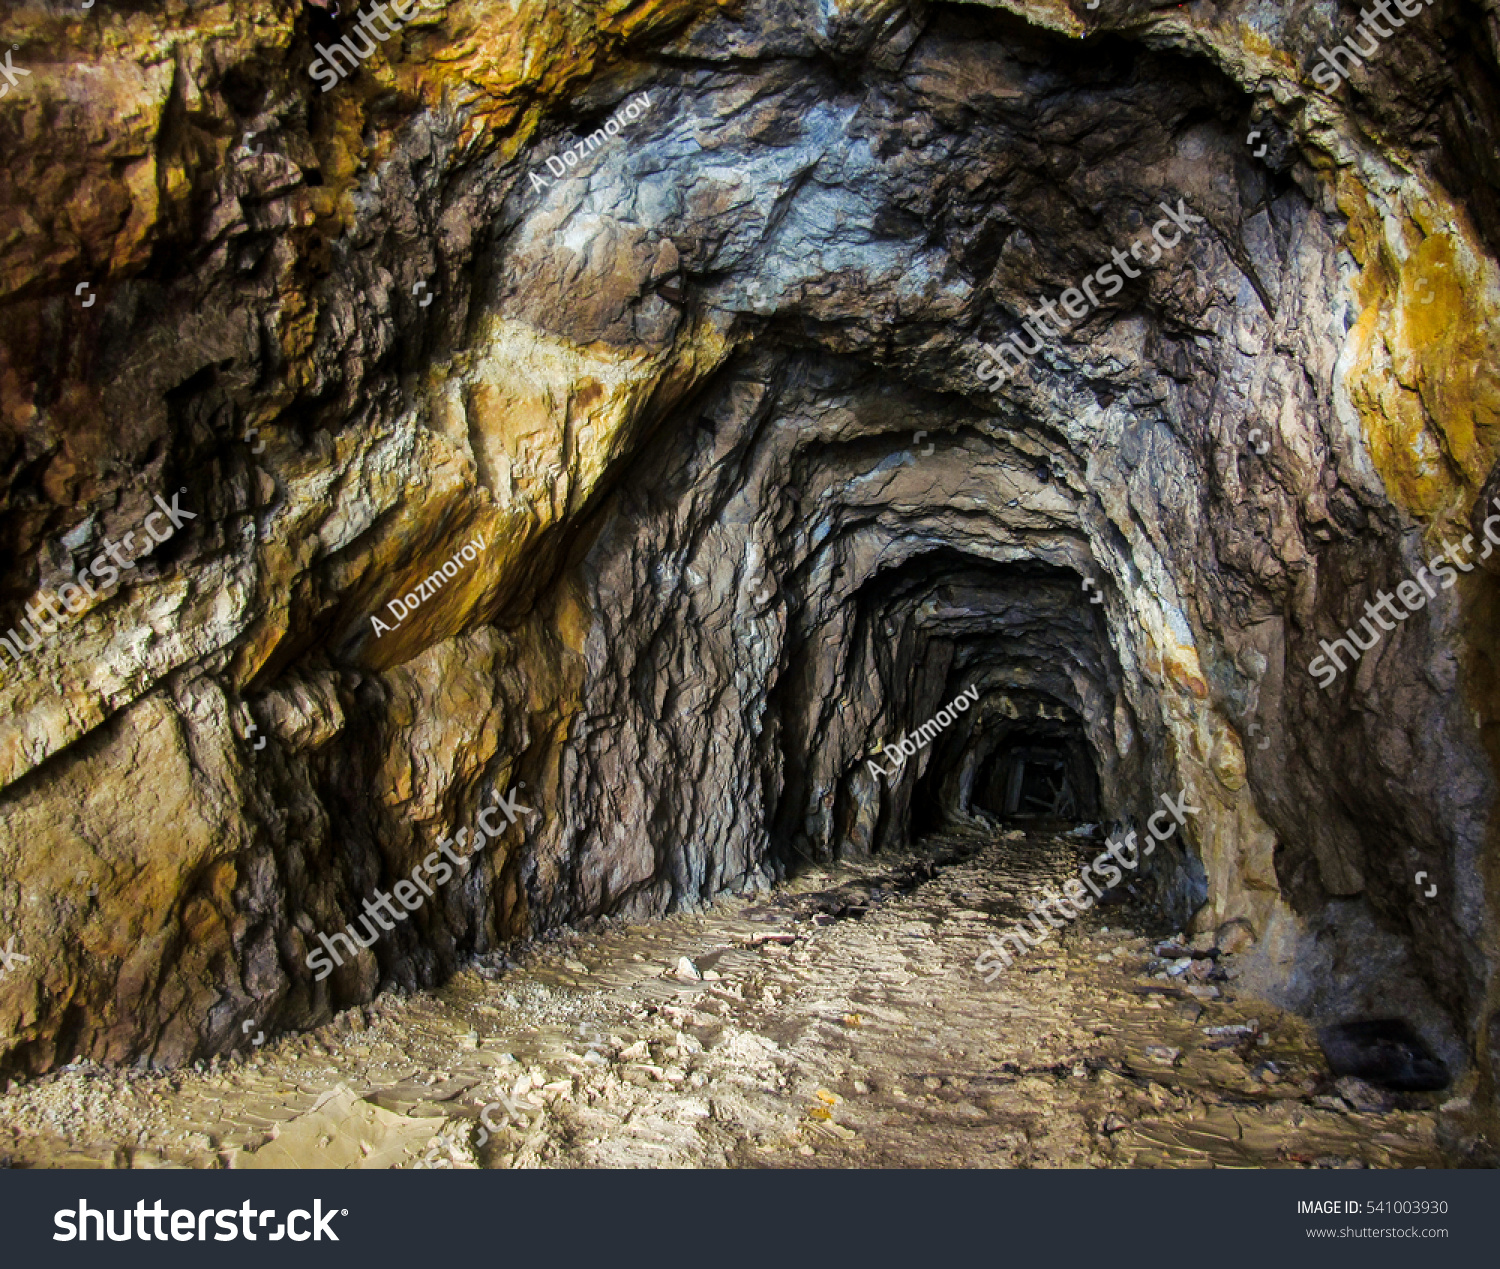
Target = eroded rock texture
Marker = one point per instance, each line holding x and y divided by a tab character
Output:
710	399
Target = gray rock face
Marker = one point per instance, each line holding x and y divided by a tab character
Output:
711	396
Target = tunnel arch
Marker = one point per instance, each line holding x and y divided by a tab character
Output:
752	513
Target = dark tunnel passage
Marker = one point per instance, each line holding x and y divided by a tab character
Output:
988	684
1033	772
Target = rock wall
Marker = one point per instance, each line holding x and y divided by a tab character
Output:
706	386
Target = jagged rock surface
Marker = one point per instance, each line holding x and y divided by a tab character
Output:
677	391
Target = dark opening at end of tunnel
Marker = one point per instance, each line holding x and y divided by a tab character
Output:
1038	773
980	692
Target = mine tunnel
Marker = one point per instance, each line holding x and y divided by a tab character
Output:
614	555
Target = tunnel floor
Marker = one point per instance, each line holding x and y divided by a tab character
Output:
840	1022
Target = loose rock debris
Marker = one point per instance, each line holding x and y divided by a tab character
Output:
839	1022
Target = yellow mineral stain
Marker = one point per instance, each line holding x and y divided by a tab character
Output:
1423	351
